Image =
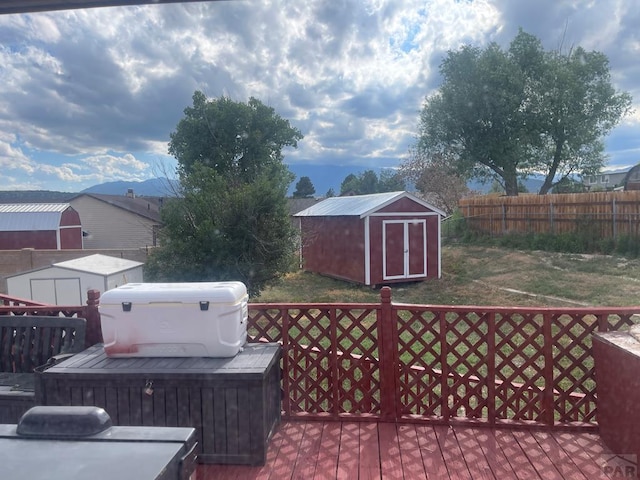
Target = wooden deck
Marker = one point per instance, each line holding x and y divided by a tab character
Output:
357	450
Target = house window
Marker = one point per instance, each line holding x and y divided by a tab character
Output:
593	180
604	179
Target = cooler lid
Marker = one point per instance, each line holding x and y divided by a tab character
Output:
187	292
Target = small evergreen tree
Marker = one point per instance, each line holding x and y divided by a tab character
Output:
304	188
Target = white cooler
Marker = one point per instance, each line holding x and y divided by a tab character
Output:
204	319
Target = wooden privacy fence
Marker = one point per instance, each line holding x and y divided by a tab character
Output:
602	214
482	365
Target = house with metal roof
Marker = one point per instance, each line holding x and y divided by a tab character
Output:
373	239
51	226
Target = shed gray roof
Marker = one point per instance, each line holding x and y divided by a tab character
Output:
16	217
98	264
360	205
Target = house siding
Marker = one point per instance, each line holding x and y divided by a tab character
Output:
112	227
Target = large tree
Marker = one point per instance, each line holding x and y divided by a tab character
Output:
230	221
506	114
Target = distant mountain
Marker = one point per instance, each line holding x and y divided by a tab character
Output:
154	187
35	196
323	177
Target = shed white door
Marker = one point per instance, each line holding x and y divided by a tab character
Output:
404	247
56	291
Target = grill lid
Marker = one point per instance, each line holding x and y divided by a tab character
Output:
63	422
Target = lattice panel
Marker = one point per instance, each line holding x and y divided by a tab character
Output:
419	368
619	322
467	364
519	367
307	349
265	325
574	383
494	360
358	369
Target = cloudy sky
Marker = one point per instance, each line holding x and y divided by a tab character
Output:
91	96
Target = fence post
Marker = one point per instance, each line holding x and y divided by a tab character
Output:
614	211
387	350
92	315
504	218
551	219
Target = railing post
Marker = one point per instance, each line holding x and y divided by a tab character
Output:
548	399
286	361
387	350
444	366
92	315
491	367
603	322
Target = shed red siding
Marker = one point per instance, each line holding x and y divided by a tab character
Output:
334	246
70	230
40	240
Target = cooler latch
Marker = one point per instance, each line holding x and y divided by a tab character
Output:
204	305
126	306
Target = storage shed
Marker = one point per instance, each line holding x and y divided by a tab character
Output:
67	283
46	226
372	239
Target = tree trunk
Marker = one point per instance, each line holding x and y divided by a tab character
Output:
551	174
511	184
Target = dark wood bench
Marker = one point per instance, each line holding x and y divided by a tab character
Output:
27	343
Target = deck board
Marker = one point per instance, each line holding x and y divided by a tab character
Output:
349	455
369	464
453	456
410	454
327	464
390	462
308	454
381	451
474	457
432	458
537	455
495	457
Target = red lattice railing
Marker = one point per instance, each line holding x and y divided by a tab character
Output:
18	306
491	365
487	365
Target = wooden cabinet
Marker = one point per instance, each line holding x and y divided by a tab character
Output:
233	403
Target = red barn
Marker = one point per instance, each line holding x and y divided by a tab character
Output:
43	226
372	239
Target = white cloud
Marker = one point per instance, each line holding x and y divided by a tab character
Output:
351	75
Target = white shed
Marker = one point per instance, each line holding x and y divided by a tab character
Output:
67	283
